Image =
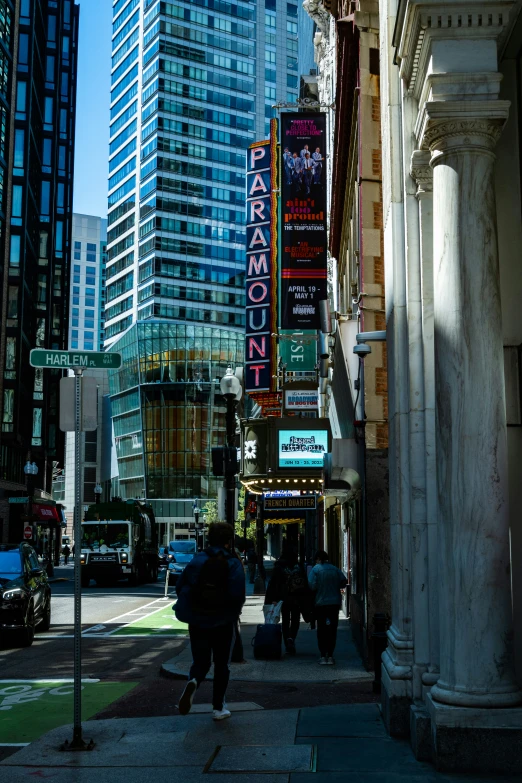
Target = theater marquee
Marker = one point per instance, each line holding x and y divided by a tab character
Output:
261	265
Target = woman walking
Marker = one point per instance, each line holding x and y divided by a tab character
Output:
327	581
288	584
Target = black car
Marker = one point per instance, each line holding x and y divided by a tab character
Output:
25	595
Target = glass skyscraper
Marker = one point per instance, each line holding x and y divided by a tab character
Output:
38	63
193	84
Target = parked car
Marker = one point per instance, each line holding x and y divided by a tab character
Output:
25	595
179	554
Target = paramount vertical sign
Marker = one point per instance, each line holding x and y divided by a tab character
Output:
261	266
303	241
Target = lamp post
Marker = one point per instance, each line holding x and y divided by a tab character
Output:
97	493
196	511
231	391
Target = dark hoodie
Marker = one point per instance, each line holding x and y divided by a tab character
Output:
236	592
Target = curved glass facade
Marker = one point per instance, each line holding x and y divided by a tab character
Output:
167	408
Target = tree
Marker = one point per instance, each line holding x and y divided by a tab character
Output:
240	522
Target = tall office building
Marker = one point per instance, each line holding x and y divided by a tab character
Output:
87	290
193	84
38	61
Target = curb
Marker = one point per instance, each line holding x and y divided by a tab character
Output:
172	672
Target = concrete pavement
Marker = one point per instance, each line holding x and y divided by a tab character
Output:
302	667
313	745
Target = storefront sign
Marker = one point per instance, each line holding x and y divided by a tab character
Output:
261	264
301	400
303	241
302	449
301	502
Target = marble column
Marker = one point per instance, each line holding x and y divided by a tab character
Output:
474	597
422	173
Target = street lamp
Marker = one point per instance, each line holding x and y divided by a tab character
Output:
97	493
231	391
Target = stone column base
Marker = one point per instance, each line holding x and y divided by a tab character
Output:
472	739
420	732
396	703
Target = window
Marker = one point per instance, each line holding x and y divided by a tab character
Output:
19	150
16	207
48	113
58	237
14	256
63	122
74	334
291	27
89	335
21	95
74	343
64	85
89	313
88	346
291	9
51	28
23	50
89	324
270	92
60	195
291	81
91	247
61	159
45	195
291	63
49	68
270	57
47	152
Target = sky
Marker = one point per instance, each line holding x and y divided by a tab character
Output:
92	108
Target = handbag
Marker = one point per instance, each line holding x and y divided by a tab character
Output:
272	613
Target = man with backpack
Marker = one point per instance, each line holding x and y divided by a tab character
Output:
211	594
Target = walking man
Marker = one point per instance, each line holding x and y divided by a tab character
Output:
327	581
251	558
211	594
66	553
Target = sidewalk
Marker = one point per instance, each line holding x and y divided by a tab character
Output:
302	667
338	744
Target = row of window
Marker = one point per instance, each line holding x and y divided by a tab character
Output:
198	55
184	247
124	48
159	310
125	30
194	92
191	270
193	170
191	189
119	308
189	149
121	263
124	135
235	45
209	295
125	15
127	62
199	209
218	232
120	211
119	247
193	73
117	328
197	113
120	229
123	154
197	131
207	20
131	92
124	83
120	286
121	192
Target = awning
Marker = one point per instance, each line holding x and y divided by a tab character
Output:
46	514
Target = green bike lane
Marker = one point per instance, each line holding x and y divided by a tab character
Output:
29	708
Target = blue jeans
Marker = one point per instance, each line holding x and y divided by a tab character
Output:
217	644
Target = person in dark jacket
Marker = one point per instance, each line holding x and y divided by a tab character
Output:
288	584
327	581
216	576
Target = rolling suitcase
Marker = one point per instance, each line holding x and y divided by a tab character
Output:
267	642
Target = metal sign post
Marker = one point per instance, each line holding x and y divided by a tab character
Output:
84	419
77	742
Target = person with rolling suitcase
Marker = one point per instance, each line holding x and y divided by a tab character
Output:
211	593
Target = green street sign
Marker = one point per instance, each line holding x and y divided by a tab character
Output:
298	350
53	360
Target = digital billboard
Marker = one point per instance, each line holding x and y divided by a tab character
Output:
302	449
303	219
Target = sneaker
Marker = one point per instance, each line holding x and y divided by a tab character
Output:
323	661
290	647
187	697
331	661
221	714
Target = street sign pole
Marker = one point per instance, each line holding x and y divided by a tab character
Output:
77	743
